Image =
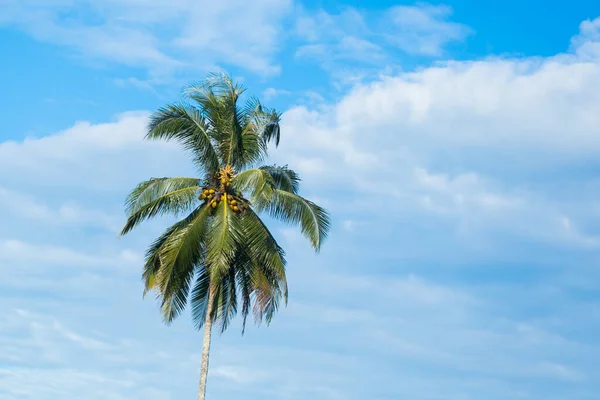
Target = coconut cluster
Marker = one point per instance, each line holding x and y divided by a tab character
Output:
221	190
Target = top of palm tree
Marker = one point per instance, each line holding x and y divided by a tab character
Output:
221	251
215	128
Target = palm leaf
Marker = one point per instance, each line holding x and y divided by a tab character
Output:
152	259
180	254
199	297
159	196
217	98
253	182
291	208
268	275
283	178
258	183
223	237
186	125
270	129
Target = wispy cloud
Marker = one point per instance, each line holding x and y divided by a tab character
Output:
15	252
271	93
26	207
478	113
163	38
424	29
353	43
183	36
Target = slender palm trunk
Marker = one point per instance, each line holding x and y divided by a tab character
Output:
206	347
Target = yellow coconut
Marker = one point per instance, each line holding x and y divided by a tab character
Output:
236	208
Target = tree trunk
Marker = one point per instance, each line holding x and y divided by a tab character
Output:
206	347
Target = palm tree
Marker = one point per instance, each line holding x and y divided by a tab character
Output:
221	254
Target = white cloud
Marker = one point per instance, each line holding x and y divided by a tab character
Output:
271	93
26	207
17	252
91	157
587	43
68	363
352	44
424	29
340	43
464	139
184	36
161	37
239	375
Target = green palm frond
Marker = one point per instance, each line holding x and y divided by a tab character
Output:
223	238
245	283
199	298
283	177
267	295
268	260
187	126
253	182
225	298
262	247
291	208
217	98
175	257
260	127
240	133
259	183
260	286
152	259
159	196
270	130
227	303
256	273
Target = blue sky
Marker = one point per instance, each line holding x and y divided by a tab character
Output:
455	144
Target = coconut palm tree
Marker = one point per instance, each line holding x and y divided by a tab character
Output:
221	255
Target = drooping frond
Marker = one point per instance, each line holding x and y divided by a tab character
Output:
152	259
245	283
253	182
291	208
173	258
260	182
199	297
260	289
226	299
189	127
270	129
159	196
225	296
223	238
267	294
255	273
262	247
283	177
268	261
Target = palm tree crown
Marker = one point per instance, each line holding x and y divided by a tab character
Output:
221	255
